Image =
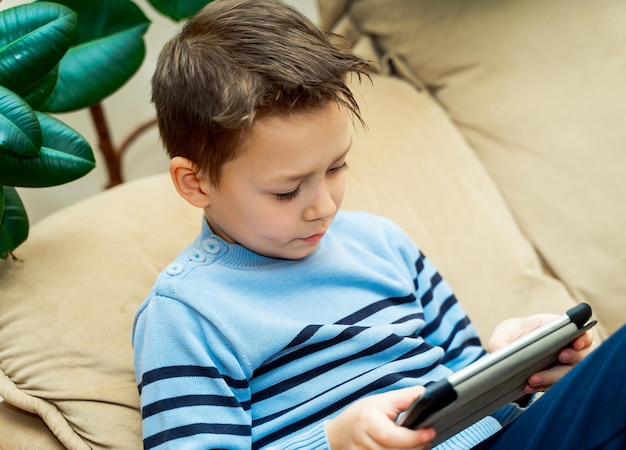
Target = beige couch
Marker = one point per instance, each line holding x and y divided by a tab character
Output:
497	139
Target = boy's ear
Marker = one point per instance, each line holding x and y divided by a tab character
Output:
188	182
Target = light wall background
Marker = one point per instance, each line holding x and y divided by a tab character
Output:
125	110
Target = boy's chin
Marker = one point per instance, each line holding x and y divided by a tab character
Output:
291	254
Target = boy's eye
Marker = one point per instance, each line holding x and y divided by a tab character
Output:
291	195
288	195
342	166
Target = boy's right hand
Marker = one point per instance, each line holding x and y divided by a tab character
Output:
370	424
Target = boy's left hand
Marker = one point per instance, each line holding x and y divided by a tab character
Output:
512	329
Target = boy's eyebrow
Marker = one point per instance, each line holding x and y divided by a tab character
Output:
296	177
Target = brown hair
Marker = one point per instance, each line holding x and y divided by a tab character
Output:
237	61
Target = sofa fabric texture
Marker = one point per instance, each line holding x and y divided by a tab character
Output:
67	307
494	138
537	90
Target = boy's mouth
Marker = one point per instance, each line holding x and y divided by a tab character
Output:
314	238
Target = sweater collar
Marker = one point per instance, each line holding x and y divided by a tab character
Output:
236	255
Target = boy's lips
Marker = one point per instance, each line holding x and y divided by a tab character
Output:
314	238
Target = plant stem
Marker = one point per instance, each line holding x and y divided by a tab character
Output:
134	135
112	157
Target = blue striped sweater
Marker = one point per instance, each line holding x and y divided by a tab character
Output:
238	350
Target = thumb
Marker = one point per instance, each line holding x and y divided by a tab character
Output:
512	329
505	332
403	398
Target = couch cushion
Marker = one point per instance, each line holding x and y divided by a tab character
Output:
537	88
68	303
22	430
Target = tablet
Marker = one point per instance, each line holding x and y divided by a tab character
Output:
474	392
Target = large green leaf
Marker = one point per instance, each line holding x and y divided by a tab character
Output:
33	40
108	51
178	9
13	221
40	93
64	156
20	133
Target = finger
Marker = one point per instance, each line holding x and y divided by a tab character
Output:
426	435
401	399
584	341
381	431
510	330
580	349
405	438
571	357
541	381
383	434
504	333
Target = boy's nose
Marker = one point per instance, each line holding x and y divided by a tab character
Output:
323	205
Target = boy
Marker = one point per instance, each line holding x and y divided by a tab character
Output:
286	324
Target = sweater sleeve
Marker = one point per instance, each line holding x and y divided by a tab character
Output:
446	324
193	395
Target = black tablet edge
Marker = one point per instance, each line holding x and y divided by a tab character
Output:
579	314
437	395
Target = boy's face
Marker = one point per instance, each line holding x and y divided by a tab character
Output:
280	194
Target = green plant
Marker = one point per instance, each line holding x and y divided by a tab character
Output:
57	57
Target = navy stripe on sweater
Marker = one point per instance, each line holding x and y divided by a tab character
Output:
192	430
374	308
163	373
344	336
302	378
191	400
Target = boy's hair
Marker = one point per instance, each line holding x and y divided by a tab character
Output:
237	61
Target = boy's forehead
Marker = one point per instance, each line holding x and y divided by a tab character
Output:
320	130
